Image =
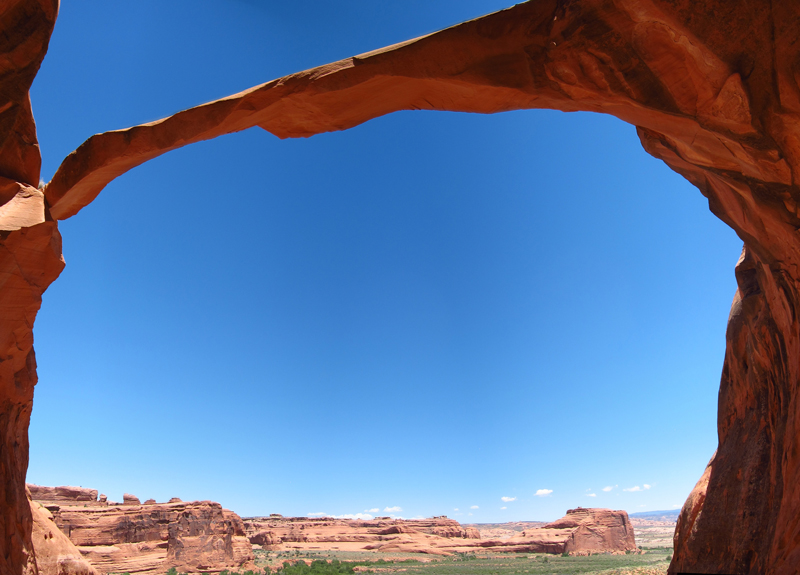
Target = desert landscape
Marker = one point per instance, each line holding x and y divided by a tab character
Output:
713	90
81	532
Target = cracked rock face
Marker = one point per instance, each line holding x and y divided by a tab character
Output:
713	88
580	532
30	260
55	553
192	537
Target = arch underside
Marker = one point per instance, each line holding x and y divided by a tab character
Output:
713	91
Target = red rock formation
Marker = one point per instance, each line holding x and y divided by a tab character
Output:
55	553
192	537
504	530
128	499
713	89
581	531
592	530
424	535
63	495
30	259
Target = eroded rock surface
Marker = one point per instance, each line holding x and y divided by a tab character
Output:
30	259
63	495
713	88
381	534
195	537
55	553
581	531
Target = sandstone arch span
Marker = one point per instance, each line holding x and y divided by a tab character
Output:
714	91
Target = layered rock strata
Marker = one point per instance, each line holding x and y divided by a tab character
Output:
504	530
714	91
65	495
424	535
581	531
55	553
193	537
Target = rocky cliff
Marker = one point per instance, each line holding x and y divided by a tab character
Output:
581	531
65	495
424	535
713	88
55	553
591	530
194	537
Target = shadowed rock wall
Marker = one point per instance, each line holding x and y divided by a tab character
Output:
30	259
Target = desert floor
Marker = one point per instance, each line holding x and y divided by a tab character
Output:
653	561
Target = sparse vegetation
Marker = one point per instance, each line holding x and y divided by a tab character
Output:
319	562
317	567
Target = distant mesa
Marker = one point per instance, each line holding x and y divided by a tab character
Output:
82	535
432	536
580	532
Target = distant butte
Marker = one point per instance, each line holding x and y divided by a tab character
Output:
82	535
580	532
713	89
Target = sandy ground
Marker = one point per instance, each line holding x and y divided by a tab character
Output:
652	533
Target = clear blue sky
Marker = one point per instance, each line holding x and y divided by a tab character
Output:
431	311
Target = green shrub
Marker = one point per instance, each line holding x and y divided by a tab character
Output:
317	567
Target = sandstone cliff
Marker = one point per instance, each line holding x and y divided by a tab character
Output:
581	531
423	535
64	495
714	91
192	537
55	553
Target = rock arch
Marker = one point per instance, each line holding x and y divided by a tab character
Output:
714	91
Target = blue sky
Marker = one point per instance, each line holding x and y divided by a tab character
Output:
420	316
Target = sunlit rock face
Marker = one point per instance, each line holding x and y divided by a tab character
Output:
434	536
579	532
55	553
713	90
193	537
